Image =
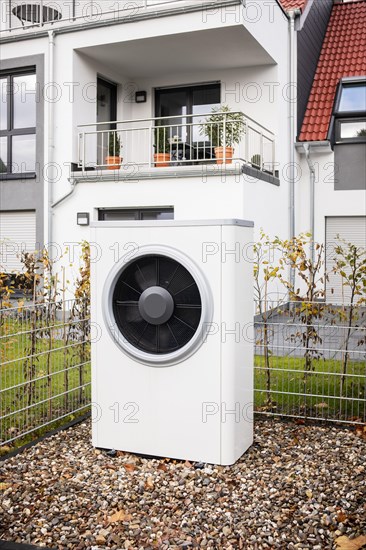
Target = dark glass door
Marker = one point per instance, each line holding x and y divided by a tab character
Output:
106	112
185	101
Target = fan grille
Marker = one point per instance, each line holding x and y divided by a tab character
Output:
157	271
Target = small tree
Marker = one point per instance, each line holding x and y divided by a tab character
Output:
265	273
31	279
350	264
223	127
80	314
310	271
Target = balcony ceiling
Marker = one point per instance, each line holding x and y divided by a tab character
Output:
222	48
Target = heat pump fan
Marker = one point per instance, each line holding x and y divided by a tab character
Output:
157	304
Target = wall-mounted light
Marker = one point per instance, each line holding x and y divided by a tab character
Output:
140	97
83	218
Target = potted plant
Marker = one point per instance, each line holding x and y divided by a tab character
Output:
223	136
162	147
113	160
256	161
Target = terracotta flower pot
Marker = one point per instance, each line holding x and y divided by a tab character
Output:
113	163
219	154
161	159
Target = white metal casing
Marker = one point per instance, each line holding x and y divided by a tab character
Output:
199	408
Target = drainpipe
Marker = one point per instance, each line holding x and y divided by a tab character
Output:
73	184
51	133
312	198
292	126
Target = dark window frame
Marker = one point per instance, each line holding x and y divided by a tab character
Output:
342	120
346	116
188	89
138	212
10	131
344	85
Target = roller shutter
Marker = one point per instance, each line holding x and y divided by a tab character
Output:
353	230
17	234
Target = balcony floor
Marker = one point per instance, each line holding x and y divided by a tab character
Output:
133	173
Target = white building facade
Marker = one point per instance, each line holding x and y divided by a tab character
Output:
186	57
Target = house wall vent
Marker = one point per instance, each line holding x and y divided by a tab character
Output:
36	11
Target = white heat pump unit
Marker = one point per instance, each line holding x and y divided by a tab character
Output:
172	349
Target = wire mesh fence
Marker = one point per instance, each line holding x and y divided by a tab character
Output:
310	362
44	367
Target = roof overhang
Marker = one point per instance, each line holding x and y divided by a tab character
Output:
318	147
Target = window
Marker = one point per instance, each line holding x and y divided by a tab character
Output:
352	129
17	124
191	100
350	112
353	98
136	214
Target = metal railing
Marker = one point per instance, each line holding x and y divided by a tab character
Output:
22	16
306	368
177	141
309	363
44	368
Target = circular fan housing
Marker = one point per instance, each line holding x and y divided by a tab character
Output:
157	306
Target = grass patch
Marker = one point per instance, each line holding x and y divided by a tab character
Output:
312	394
41	379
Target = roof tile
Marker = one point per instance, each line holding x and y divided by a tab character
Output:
289	5
343	54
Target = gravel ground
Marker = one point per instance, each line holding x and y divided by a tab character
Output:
297	487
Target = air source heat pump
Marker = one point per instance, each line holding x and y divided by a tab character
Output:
172	351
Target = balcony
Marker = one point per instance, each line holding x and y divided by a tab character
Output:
20	17
179	144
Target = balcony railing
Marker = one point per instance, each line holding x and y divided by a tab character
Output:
189	140
19	16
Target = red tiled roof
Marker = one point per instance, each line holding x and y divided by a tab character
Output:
293	4
343	54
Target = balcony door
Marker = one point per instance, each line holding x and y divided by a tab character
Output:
183	102
106	112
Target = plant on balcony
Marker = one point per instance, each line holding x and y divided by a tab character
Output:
161	146
224	130
256	161
113	159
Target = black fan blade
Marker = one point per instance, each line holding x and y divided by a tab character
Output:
167	341
167	271
145	273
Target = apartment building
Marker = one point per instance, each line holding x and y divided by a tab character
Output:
85	81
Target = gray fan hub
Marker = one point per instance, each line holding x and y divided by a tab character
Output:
156	305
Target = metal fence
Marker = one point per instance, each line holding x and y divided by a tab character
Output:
44	367
309	363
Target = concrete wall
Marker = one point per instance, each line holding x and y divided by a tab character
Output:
350	159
